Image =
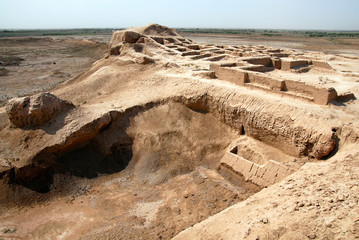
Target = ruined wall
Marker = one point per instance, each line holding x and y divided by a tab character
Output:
263	80
215	66
272	124
242	77
299	88
233	75
321	64
277	63
323	96
288	64
255	68
265	61
262	175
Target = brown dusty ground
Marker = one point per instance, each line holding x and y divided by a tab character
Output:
168	180
36	64
325	45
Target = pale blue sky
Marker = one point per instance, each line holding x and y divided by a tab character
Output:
277	14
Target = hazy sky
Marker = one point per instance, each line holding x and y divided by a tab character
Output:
278	14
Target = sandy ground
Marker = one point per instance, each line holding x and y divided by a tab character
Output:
325	45
38	64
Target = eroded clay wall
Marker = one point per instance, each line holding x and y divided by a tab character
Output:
231	74
321	64
262	175
263	80
241	77
299	87
265	61
288	64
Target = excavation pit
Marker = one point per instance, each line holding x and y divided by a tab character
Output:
166	166
161	161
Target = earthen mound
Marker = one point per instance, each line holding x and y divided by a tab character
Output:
155	30
125	36
34	110
150	34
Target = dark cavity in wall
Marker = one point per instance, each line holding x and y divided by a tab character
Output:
84	162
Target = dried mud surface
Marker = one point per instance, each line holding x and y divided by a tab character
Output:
35	64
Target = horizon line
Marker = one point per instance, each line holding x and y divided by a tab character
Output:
179	28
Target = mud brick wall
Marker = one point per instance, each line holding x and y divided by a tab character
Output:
321	64
262	175
265	61
324	96
234	75
288	64
239	76
299	87
261	79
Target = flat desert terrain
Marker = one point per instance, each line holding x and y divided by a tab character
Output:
348	46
